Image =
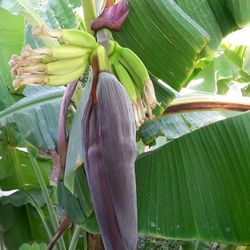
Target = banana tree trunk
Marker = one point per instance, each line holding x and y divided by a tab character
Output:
94	242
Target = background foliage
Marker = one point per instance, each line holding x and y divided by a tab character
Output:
193	184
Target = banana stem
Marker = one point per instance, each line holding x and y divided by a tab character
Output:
103	36
89	13
46	195
75	238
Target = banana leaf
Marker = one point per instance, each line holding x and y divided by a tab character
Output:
16	171
201	12
240	10
34	246
196	187
36	117
20	225
172	126
223	16
166	39
11	41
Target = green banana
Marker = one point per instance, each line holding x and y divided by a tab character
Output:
135	65
67	51
125	80
47	60
60	67
137	80
64	51
52	80
70	36
67	66
111	47
103	61
79	38
58	80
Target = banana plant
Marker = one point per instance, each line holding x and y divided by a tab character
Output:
136	145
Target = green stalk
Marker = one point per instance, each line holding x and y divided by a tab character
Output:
103	36
41	215
1	238
75	237
46	195
89	13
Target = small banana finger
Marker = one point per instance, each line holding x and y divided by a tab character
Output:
125	80
138	81
71	36
58	80
135	65
60	67
65	51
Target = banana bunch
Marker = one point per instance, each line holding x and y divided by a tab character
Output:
133	75
56	65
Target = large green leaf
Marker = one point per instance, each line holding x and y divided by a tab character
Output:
230	66
16	171
209	78
61	12
201	12
204	245
174	44
173	126
20	225
20	198
223	16
11	42
14	228
36	116
164	95
34	246
240	10
78	207
196	187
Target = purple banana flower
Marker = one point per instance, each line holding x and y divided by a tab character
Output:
110	152
113	17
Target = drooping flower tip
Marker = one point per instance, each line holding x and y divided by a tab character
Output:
30	79
27	68
39	31
42	31
140	112
29	53
143	106
16	84
149	94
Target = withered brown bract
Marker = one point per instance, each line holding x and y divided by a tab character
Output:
110	151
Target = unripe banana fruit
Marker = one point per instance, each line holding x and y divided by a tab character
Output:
65	51
58	65
133	75
70	36
126	80
59	80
